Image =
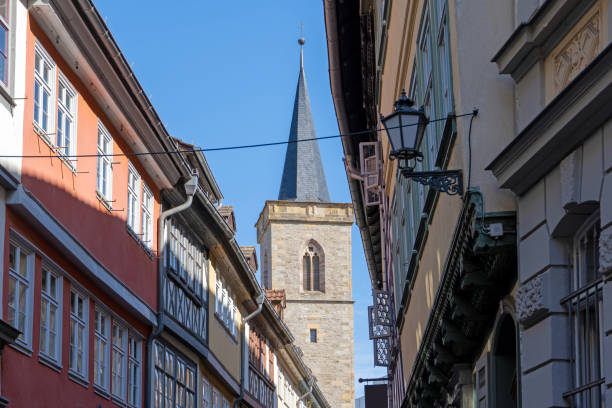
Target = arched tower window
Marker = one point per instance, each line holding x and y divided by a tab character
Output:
313	267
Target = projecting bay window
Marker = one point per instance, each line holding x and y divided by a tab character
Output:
174	379
133	207
4	41
20	284
44	81
105	167
79	313
187	261
50	316
585	307
101	349
66	118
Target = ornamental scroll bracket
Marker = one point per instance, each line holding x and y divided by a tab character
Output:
446	181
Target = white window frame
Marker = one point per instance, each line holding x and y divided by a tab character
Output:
25	338
104	166
174	375
51	301
5	24
147	216
225	308
206	393
101	381
118	360
216	398
49	86
70	113
83	322
134	373
133	199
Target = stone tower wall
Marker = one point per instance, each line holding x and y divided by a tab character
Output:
284	230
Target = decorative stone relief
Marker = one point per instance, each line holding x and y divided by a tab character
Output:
577	53
570	178
605	251
529	301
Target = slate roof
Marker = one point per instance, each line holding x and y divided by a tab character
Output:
303	176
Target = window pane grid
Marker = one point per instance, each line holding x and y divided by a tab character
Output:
104	167
585	310
44	77
49	320
133	210
18	292
100	349
78	332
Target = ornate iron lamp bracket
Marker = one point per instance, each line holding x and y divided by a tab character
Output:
445	181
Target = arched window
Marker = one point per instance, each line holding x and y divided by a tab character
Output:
313	271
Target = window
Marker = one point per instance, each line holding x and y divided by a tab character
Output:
134	364
105	167
21	266
78	334
4	41
133	207
313	335
216	398
225	307
266	280
226	403
50	315
187	260
585	307
101	351
174	381
205	394
44	80
147	217
66	114
118	362
313	274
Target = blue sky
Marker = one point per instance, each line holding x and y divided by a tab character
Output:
225	73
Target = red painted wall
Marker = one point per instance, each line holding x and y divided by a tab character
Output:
27	382
71	198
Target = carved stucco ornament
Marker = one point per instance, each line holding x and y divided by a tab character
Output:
577	53
605	251
530	301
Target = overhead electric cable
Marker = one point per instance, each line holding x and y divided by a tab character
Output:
213	149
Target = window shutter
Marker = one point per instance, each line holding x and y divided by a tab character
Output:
370	170
481	383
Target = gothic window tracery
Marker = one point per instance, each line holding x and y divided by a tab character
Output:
313	269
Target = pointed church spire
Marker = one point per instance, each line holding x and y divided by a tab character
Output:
303	176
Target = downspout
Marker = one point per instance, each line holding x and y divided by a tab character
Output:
190	188
307	393
244	367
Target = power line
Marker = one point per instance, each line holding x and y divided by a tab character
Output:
214	149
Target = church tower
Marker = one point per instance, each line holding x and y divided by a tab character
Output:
305	248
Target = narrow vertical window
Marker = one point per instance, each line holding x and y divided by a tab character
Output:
133	207
21	265
134	364
66	115
147	217
118	362
306	266
44	82
78	334
316	278
313	335
50	315
101	323
4	41
216	398
205	393
105	168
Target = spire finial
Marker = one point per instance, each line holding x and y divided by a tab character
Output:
301	41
